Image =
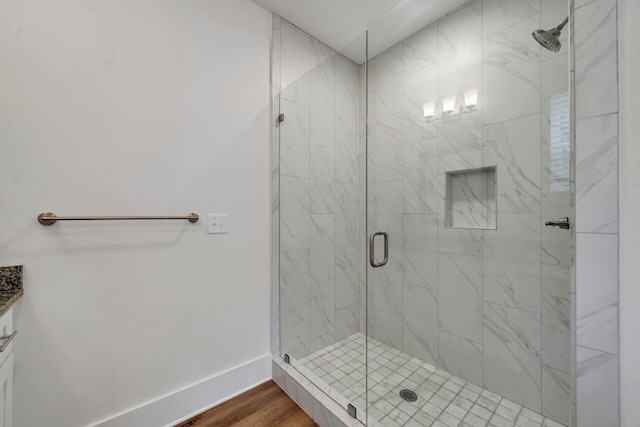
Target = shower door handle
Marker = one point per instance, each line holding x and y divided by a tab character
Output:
372	258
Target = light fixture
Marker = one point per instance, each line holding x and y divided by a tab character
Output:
471	99
448	104
429	110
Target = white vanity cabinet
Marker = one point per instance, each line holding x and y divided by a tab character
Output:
6	368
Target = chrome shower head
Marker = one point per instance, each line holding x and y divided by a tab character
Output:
549	39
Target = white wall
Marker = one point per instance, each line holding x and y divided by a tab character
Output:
133	107
629	47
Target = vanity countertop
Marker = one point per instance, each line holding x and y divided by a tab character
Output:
10	286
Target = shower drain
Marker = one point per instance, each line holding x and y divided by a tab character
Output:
408	395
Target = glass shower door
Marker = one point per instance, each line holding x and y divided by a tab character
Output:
321	302
467	161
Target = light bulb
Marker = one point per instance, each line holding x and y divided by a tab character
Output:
429	110
448	104
471	99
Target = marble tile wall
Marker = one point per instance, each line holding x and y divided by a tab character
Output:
595	290
491	306
315	179
275	185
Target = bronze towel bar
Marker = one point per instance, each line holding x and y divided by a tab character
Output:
48	218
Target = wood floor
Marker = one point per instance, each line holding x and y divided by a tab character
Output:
264	406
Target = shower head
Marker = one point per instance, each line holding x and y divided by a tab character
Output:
549	39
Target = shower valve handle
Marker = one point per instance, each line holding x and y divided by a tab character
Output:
563	223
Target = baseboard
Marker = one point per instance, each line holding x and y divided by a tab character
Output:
189	401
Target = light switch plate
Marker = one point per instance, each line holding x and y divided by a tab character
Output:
217	223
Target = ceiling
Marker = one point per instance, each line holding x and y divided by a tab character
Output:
341	23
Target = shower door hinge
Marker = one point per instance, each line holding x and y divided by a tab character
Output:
287	359
280	118
351	410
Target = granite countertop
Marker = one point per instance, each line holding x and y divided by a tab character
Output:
10	286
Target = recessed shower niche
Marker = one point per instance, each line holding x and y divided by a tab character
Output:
471	198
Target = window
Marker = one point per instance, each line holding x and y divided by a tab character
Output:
560	148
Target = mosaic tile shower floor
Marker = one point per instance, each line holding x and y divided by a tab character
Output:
443	400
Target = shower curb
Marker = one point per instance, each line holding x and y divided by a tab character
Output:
324	410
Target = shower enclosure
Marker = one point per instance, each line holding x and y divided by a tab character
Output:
414	174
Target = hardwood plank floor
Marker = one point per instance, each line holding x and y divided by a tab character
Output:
263	406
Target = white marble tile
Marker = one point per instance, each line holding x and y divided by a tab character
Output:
388	211
420	50
322	61
322	315
556	203
597	388
580	3
556	395
298	92
556	317
460	38
365	184
555	193
275	70
296	56
511	73
275	298
388	328
512	354
596	79
597	293
347	81
346	321
460	241
388	83
322	191
498	15
346	229
388	149
460	295
460	356
322	113
276	24
420	177
420	87
322	248
512	258
346	151
294	140
514	146
294	287
275	202
327	418
597	175
294	340
420	244
294	213
388	282
460	142
346	270
294	384
345	198
420	329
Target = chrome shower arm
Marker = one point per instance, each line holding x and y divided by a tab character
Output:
561	26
